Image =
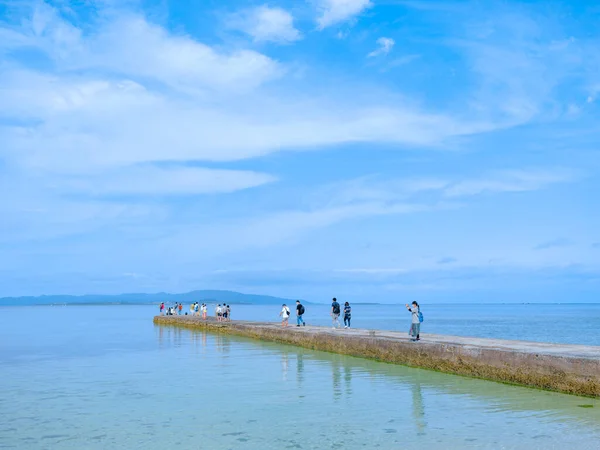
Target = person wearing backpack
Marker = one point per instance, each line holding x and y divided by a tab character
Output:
285	315
417	318
299	313
335	314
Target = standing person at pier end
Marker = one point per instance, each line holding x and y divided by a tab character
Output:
299	313
224	313
335	314
415	327
285	315
347	315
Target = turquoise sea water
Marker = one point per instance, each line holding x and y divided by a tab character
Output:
105	377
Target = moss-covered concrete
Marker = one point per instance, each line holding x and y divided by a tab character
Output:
564	368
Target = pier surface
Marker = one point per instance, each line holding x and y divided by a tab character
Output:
572	369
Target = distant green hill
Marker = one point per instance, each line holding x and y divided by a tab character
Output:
141	299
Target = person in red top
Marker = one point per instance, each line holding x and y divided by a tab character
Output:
162	309
180	308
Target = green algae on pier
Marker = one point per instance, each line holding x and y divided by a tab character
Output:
570	369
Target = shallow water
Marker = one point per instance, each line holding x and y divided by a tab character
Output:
106	377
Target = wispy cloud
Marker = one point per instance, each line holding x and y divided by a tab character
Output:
447	260
374	187
367	197
333	12
403	60
384	46
510	181
264	23
148	180
129	44
123	122
555	243
514	54
593	93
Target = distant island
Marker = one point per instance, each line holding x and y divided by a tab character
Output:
206	296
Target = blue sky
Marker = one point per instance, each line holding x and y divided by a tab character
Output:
377	150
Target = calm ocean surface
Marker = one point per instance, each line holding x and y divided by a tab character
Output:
104	377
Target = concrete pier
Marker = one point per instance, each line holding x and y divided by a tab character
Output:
572	369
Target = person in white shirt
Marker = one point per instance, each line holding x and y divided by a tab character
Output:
285	315
415	326
218	312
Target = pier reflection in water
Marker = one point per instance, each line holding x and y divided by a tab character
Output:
373	404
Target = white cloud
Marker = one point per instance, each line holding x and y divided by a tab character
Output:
337	11
103	107
43	207
593	93
34	211
134	46
375	189
130	45
264	23
385	45
281	227
370	197
146	180
75	123
515	63
510	181
403	60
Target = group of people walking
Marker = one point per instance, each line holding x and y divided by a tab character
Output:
300	310
336	311
197	309
335	314
223	313
286	313
172	310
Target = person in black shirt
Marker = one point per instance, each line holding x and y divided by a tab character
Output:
299	314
